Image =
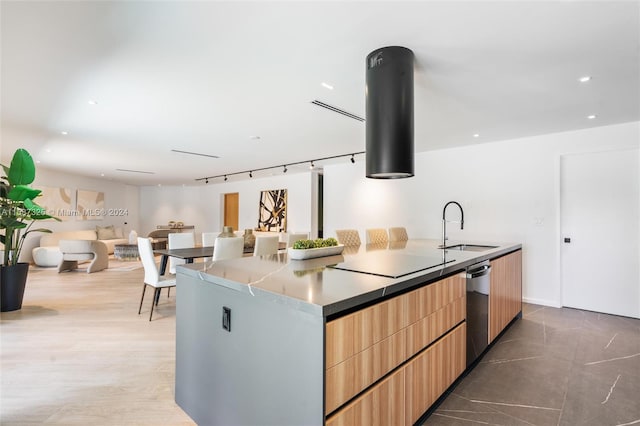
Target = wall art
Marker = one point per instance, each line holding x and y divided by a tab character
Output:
90	205
273	210
57	202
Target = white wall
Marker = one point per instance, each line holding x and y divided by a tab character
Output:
116	196
509	191
201	205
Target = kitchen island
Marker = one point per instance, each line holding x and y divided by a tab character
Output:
372	336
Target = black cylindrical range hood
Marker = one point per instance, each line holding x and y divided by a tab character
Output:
389	113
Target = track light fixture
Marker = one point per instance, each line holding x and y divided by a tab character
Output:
284	166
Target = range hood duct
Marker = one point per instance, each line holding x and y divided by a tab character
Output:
389	113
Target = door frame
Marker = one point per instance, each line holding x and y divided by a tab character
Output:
223	205
558	202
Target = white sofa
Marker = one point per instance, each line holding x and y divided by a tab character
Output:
49	254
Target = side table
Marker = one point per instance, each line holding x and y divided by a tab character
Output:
126	251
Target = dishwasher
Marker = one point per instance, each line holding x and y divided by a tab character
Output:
478	283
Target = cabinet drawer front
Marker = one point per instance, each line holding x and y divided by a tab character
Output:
425	331
353	333
433	371
433	297
383	404
347	379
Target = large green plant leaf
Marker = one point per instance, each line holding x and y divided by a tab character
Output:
11	222
22	193
44	230
36	212
22	170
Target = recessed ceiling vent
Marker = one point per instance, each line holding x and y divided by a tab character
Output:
336	109
389	100
194	153
136	171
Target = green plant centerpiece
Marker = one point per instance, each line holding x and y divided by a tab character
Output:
18	213
317	243
308	249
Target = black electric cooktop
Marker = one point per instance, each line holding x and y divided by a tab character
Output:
392	265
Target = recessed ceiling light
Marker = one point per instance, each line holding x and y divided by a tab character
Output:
327	85
92	102
584	79
48	150
64	133
476	135
591	117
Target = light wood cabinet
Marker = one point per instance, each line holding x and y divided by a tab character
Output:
403	397
363	347
505	294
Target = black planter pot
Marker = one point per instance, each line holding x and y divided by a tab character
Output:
12	283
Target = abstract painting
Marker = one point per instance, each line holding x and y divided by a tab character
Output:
90	205
56	202
273	210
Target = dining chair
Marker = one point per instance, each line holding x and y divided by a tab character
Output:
348	237
179	240
228	248
208	240
377	236
152	277
293	237
398	234
266	245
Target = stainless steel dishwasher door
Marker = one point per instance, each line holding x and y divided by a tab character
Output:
478	283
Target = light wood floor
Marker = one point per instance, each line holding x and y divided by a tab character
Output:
79	353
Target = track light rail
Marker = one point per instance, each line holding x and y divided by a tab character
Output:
283	166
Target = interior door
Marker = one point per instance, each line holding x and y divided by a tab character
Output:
231	210
600	232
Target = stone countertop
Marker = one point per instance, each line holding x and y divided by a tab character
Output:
317	287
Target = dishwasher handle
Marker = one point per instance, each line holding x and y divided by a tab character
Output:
479	272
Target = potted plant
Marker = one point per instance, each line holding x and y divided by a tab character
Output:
18	213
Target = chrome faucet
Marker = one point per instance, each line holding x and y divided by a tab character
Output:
444	221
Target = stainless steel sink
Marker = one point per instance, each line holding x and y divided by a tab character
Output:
469	247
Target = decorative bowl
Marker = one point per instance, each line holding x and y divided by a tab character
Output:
302	254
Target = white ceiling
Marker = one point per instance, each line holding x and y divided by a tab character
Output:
208	76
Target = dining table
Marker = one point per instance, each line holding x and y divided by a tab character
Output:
187	254
191	253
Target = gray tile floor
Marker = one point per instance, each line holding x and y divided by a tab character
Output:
553	367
